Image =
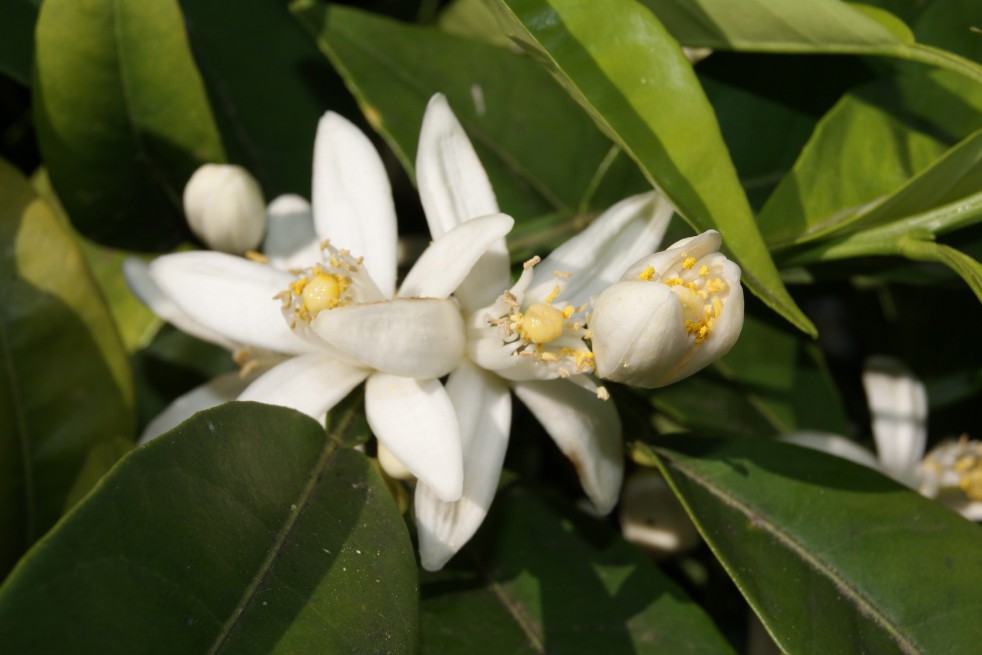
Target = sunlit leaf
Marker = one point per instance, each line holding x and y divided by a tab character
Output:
66	396
245	530
122	116
543	578
630	75
834	557
549	159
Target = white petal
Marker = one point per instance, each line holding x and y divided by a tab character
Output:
290	238
352	198
231	296
898	406
137	275
416	422
454	188
443	266
483	407
672	257
599	255
652	516
833	444
586	429
311	384
414	337
391	464
453	185
219	390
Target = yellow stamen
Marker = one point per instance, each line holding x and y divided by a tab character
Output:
647	273
553	294
704	271
689	263
674	281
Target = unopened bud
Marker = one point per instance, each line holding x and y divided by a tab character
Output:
225	208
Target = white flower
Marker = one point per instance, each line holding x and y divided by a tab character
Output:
950	473
340	319
528	339
672	313
224	207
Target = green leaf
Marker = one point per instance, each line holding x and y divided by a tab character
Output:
834	557
621	65
122	117
65	384
858	152
17	38
816	26
773	381
541	153
268	85
243	531
929	251
543	578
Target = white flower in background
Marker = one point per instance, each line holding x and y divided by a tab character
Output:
339	318
672	313
652	517
225	208
951	473
528	338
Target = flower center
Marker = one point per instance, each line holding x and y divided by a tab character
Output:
698	290
320	292
541	323
959	461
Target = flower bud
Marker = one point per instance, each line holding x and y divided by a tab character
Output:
225	208
671	314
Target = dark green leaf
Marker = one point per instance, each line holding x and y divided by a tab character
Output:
834	557
618	62
244	530
17	38
66	389
122	117
543	578
541	153
929	251
268	85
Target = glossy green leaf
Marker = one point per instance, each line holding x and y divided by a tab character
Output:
541	153
244	530
834	557
544	578
928	251
268	86
136	324
867	163
620	64
65	384
17	38
858	152
816	26
122	116
773	381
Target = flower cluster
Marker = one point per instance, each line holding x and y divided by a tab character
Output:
318	312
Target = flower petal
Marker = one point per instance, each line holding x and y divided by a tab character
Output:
137	274
483	407
652	516
454	188
231	296
311	384
413	337
599	255
586	429
443	266
898	405
352	198
221	389
833	444
290	238
416	422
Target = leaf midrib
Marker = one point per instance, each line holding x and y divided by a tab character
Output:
762	520
332	445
